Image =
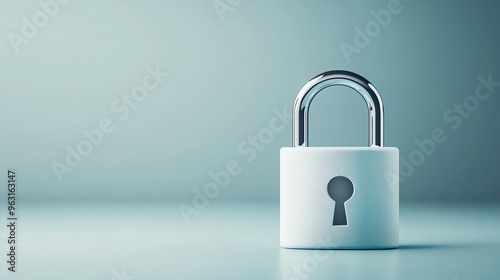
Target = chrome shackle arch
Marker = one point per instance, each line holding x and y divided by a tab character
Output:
300	117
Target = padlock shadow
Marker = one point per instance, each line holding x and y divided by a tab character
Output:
442	246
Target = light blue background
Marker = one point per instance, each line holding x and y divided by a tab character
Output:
226	78
118	210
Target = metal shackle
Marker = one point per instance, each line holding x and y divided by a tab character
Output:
300	117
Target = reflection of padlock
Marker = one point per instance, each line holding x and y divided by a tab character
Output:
339	197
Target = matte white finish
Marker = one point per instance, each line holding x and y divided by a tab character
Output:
306	209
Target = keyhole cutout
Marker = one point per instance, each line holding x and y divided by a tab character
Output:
340	190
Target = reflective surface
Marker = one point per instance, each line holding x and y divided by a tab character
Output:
241	241
338	78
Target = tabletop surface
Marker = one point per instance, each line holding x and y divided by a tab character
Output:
241	241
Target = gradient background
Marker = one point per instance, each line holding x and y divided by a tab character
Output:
226	78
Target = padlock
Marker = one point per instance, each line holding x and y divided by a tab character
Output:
339	197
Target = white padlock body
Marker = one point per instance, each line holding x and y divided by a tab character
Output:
307	210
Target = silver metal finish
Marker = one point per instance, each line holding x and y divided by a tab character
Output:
338	78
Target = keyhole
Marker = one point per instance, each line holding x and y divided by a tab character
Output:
340	190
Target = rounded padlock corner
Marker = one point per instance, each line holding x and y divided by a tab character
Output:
283	149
